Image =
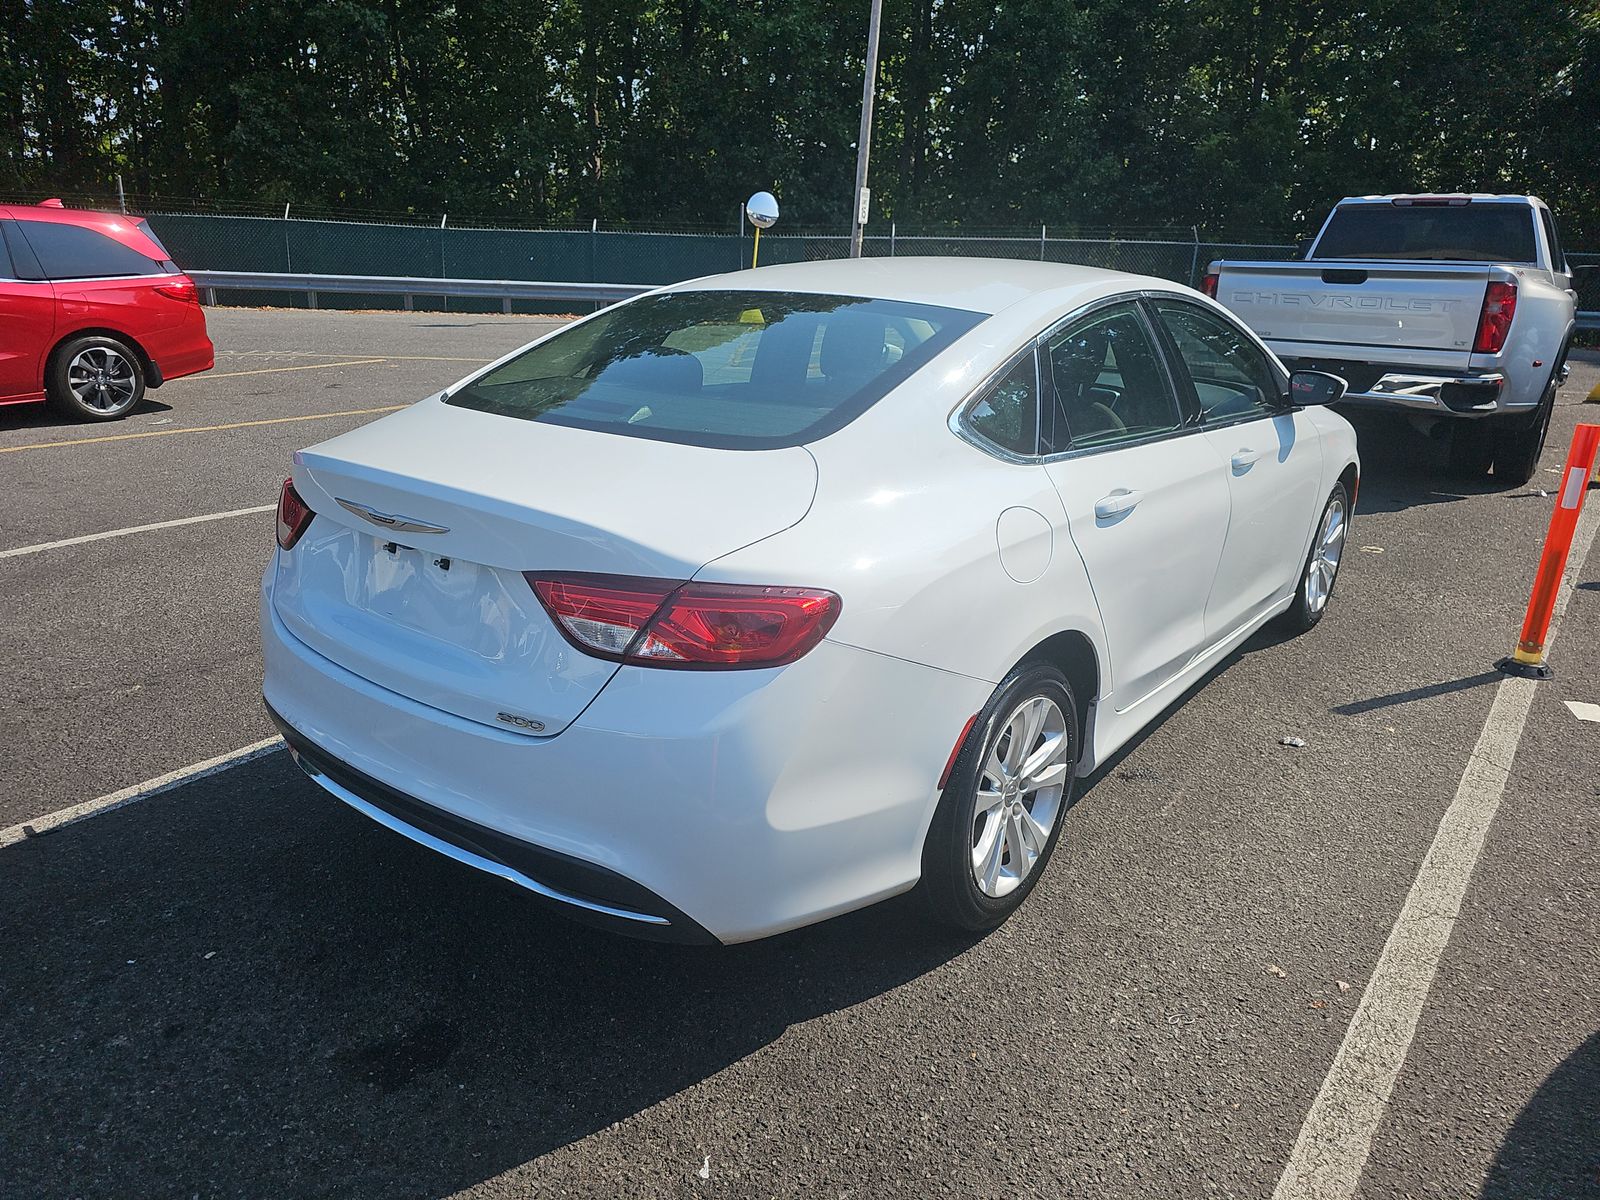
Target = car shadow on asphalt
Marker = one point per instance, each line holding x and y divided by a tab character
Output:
1551	1151
1403	468
42	416
241	986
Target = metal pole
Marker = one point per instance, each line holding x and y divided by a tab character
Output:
891	239
1194	259
864	140
741	237
1042	230
288	259
122	198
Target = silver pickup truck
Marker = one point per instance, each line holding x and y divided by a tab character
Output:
1452	308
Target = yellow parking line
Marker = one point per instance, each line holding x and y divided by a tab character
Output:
358	362
123	437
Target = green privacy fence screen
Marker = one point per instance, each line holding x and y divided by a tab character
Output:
214	242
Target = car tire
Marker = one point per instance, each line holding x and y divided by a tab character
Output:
992	834
94	378
1520	442
1320	571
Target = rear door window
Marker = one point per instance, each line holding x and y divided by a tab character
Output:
739	370
1109	385
1558	260
73	252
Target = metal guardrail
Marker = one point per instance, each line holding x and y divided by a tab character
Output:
505	290
408	287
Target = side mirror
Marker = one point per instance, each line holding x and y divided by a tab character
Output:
1315	387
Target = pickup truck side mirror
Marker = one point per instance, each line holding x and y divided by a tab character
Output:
1315	387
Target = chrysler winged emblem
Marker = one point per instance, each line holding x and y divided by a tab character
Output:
389	520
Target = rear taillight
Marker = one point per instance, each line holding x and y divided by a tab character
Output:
1208	285
690	626
183	290
294	514
1499	306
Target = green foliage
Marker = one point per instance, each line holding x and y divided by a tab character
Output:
1239	116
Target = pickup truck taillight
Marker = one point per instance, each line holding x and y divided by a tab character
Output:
1499	306
1208	285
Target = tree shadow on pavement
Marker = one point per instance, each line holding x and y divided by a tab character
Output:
241	986
1553	1149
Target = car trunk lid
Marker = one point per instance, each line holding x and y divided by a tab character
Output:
411	574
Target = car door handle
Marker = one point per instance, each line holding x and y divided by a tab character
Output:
1244	458
1120	501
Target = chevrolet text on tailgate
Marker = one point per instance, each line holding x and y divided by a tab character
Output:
1451	308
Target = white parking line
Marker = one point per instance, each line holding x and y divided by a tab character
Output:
139	791
116	533
1583	710
1336	1139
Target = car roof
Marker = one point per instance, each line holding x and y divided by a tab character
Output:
985	285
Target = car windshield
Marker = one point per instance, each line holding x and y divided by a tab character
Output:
1472	232
739	370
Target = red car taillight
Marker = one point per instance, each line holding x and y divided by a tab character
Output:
294	514
1208	285
1499	306
692	626
183	290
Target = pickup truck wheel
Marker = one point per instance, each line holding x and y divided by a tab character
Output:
1518	446
1321	569
1471	449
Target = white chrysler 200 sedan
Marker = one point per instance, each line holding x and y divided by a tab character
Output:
763	597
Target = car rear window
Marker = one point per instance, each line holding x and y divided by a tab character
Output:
73	252
1472	232
740	370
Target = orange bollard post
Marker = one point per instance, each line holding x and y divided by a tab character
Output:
1528	659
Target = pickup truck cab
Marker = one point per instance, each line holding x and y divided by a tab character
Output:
1452	308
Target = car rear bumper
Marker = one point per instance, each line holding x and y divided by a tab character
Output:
179	350
1442	393
680	805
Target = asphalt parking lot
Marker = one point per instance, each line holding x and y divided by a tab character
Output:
237	987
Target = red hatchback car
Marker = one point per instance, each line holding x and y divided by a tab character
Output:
92	312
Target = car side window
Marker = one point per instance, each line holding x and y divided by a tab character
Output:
23	263
1232	377
72	252
1008	413
1558	260
1108	383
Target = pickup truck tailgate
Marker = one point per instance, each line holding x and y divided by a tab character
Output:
1359	304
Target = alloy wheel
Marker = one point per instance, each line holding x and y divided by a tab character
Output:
102	379
1024	776
1324	565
